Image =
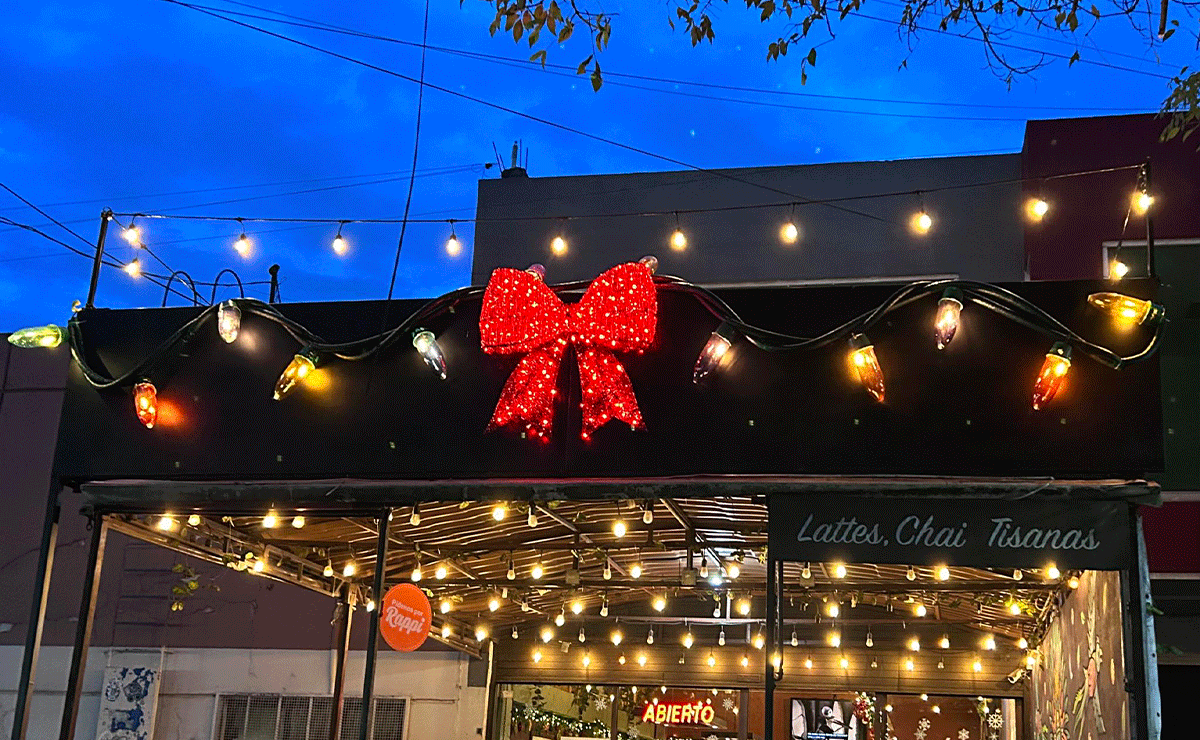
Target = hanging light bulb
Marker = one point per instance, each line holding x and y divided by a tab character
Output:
416	573
1030	660
537	655
808	663
297	370
145	403
1018	574
914	645
759	640
446	631
34	337
989	643
870	639
558	246
635	570
193	520
133	268
743	607
721	637
587	659
1014	608
328	571
493	602
1073	582
714	350
166	523
441	572
132	234
340	246
1142	202
745	660
650	636
806	572
445	606
425	343
920	610
512	571
1036	209
537	570
833	609
844	662
242	246
948	311
921	222
1117	269
935	709
607	571
641	659
1052	572
259	566
415	518
1023	643
499	511
839	570
943	573
370	605
660	603
648	511
577	606
703	568
270	520
298	522
481	633
617	636
908	664
532	520
789	233
835	639
866	365
547	634
349	569
582	635
712	659
1052	376
1125	309
621	659
453	245
678	238
944	643
977	666
777	660
619	528
795	639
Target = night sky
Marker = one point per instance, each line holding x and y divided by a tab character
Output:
145	106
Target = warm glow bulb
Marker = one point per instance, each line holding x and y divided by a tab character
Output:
1030	661
1142	201
512	571
1023	643
835	639
870	639
989	643
328	570
714	350
193	520
678	240
416	573
660	603
1124	309
745	660
1052	572
1014	608
839	570
949	310
921	222
587	660
844	662
1073	582
431	352
259	566
536	571
415	518
445	606
132	234
734	570
577	606
920	610
743	607
833	609
619	528
641	659
33	337
688	639
370	605
795	639
806	572
145	403
445	631
977	666
349	569
547	634
242	245
648	516
133	268
789	233
537	656
617	636
499	511
270	520
558	246
943	573
166	523
1052	375
908	664
441	572
914	645
712	659
944	643
481	633
777	661
493	603
1117	269
1036	209
635	570
296	371
808	663
560	619
339	245
759	641
935	709
453	246
866	365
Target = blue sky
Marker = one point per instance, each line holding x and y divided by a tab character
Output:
145	106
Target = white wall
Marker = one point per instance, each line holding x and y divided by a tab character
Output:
442	705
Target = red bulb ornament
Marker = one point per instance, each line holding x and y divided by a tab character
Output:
521	314
145	403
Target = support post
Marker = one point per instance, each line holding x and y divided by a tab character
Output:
366	729
769	651
1146	182
273	296
345	612
37	614
83	627
744	714
98	261
1146	715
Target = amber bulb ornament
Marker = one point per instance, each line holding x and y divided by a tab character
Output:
426	344
1052	376
866	365
296	371
1126	309
145	403
945	326
714	351
33	337
229	321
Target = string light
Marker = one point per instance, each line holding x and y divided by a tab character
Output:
493	602
866	365
1117	269
648	511
416	573
621	659
132	234
1030	660
499	511
415	518
340	246
650	636
445	606
1023	643
133	268
426	343
944	643
370	605
703	568
259	566
349	569
1073	582
145	403
789	233
270	520
977	666
660	603
1036	209
441	572
1125	309
949	310
759	640
743	607
46	337
166	523
1142	201
1014	608
298	522
989	643
512	570
617	636
806	572
908	664
328	570
635	570
844	662
619	528
714	351
745	660
641	659
914	645
587	659
537	570
835	639
795	639
453	245
870	639
808	663
193	520
558	246
577	606
582	635
537	655
839	570
481	633
733	569
604	605
777	661
943	573
833	609
920	610
678	238
1052	375
547	634
688	639
229	321
1018	574
935	709
242	246
712	659
1052	572
921	222
297	370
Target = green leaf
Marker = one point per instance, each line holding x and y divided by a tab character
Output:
518	32
583	65
1095	11
812	56
1170	32
566	32
1074	58
768	8
539	56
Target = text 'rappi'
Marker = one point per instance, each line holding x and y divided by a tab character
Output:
698	713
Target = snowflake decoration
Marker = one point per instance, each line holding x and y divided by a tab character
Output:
993	736
602	703
919	734
728	704
995	721
924	723
964	734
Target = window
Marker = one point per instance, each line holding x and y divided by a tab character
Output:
277	717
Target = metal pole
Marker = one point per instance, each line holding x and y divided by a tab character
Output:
98	261
273	296
83	627
1146	182
37	614
381	545
769	652
744	714
345	612
1146	714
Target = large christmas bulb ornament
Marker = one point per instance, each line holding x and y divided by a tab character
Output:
946	324
37	336
714	350
1052	376
427	345
229	321
1125	309
296	371
145	403
866	365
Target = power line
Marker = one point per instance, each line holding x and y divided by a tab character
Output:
301	22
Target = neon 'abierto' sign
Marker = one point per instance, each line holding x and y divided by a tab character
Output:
679	714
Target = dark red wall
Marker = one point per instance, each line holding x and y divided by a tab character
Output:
1172	534
1087	211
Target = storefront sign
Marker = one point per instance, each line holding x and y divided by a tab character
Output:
1019	533
405	617
697	713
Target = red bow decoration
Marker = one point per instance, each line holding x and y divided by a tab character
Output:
521	314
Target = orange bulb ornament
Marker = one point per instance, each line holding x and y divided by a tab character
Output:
1052	376
145	403
866	365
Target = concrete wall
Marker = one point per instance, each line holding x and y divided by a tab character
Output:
441	705
977	232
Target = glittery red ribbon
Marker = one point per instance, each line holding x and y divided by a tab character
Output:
522	315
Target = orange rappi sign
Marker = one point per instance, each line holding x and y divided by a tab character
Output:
405	617
698	713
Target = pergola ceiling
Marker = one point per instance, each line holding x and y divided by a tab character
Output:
478	550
